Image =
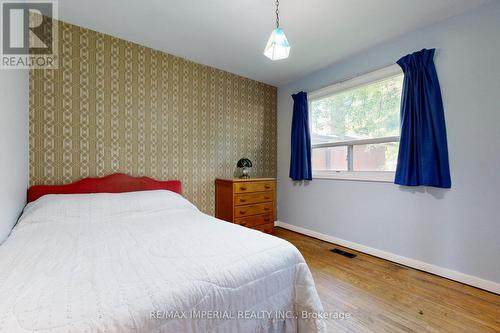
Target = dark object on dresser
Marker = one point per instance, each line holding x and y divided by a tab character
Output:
245	165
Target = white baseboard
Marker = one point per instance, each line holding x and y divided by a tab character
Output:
423	266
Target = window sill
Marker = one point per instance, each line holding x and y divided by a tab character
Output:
364	176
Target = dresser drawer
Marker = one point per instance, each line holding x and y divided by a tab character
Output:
248	187
241	211
267	228
252	198
252	221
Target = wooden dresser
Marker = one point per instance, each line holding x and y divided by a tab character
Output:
247	202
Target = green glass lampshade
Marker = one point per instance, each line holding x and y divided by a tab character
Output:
244	163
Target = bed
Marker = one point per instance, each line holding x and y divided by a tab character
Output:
125	254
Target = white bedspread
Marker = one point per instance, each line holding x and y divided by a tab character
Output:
148	262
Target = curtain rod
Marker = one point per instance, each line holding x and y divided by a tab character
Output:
353	77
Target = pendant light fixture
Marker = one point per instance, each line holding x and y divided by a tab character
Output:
277	46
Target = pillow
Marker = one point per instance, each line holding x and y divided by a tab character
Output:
101	206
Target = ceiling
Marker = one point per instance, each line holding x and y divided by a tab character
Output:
231	35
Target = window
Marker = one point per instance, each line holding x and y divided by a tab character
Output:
355	127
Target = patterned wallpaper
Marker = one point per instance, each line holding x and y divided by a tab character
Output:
115	106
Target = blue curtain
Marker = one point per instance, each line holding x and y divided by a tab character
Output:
423	150
300	160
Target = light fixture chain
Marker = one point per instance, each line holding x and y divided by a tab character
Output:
277	14
277	46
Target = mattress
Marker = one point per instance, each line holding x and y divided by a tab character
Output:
148	262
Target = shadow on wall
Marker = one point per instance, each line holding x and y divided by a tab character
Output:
301	182
437	193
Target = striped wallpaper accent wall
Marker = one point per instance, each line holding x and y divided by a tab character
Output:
115	106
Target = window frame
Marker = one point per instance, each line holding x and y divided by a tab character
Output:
339	87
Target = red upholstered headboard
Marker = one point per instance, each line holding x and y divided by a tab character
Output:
115	183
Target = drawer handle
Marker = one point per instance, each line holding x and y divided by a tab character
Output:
266	209
243	200
266	220
267	187
267	198
243	188
242	212
244	224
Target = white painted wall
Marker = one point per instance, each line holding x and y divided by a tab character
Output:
458	229
14	98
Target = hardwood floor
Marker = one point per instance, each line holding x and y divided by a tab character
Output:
382	296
